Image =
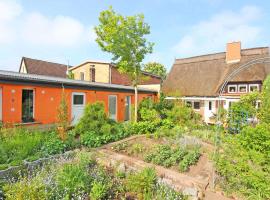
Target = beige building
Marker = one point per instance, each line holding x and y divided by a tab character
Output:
105	72
90	71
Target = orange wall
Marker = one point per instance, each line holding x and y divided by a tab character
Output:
47	100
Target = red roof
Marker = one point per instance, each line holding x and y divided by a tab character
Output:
41	67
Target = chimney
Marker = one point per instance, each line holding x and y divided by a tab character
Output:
233	52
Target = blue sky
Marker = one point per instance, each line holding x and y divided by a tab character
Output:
62	30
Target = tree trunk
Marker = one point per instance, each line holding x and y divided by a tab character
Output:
136	103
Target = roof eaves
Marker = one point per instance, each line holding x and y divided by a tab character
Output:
49	79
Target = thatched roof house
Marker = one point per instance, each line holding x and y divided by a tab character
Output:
203	75
198	80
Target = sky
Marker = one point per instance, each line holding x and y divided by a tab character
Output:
62	30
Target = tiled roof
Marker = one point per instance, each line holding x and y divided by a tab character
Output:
41	67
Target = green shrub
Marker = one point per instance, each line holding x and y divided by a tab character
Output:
53	145
176	131
93	119
142	183
96	129
165	155
98	191
264	114
19	144
240	111
25	189
180	114
73	180
244	162
189	159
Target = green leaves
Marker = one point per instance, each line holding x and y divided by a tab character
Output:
244	162
167	156
156	68
124	37
265	109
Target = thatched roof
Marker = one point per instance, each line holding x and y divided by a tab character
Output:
203	75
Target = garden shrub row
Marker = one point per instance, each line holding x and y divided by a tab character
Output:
93	130
244	162
17	145
83	178
163	114
168	156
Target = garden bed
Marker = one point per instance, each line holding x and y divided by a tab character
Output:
81	177
161	151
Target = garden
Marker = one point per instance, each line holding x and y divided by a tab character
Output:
21	147
168	136
81	177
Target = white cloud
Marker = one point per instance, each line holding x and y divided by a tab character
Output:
58	31
212	35
37	29
9	10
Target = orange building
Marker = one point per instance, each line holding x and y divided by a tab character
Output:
34	99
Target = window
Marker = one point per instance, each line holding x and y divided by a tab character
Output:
196	105
253	87
78	99
210	105
232	88
242	88
27	106
92	73
82	76
127	108
113	107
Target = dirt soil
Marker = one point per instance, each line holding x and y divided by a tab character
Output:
196	179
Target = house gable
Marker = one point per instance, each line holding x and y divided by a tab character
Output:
23	68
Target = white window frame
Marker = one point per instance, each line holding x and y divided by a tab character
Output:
242	85
252	85
230	86
77	93
116	106
197	109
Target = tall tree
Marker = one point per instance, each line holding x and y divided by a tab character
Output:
156	68
124	38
